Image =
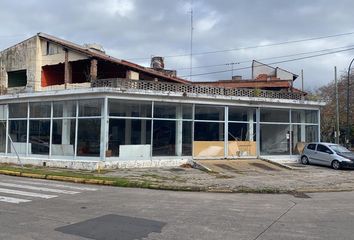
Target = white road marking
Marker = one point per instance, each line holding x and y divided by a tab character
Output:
13	200
53	185
37	188
29	194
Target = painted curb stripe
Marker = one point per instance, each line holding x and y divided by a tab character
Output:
53	185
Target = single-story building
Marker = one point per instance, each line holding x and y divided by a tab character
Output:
68	105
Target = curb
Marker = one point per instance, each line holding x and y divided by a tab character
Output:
278	164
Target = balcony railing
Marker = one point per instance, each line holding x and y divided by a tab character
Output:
189	88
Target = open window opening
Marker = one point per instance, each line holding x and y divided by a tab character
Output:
17	78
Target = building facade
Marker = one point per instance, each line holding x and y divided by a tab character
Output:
72	106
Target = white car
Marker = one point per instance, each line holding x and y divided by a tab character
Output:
328	154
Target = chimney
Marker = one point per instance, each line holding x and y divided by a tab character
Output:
157	63
237	77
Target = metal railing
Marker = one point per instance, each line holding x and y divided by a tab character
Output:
190	88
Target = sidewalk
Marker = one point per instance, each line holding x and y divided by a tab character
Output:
227	176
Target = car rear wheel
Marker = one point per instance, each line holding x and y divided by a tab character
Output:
304	160
336	165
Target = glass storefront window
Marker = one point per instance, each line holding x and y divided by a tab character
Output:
130	138
274	115
172	110
18	110
242	114
164	142
40	109
275	139
208	139
63	137
304	116
90	108
2	136
18	134
123	108
311	134
210	112
241	139
3	112
89	137
39	135
64	109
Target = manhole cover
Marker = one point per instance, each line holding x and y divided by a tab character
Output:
112	227
263	166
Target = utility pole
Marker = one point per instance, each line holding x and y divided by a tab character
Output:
348	105
336	132
191	45
302	79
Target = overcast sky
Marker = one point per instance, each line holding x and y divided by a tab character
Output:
136	29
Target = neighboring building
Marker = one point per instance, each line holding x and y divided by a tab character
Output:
63	104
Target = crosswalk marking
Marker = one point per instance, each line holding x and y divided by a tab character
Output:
55	185
13	200
37	188
29	194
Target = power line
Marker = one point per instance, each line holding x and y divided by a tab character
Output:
252	47
272	63
267	58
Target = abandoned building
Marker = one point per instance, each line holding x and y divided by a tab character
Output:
68	105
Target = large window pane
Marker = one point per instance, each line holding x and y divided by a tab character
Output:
63	137
172	110
18	110
130	138
304	116
275	139
39	135
64	109
18	134
89	137
164	138
187	139
2	136
122	108
40	110
208	139
3	112
89	108
312	134
274	115
242	114
242	138
210	112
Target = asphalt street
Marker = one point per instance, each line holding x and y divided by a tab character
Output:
41	209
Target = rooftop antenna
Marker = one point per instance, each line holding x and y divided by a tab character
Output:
191	45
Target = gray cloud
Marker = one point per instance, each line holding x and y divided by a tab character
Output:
140	28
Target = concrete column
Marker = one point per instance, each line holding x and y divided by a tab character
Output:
303	127
67	68
93	69
66	126
179	129
250	124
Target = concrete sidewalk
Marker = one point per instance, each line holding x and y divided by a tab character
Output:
256	176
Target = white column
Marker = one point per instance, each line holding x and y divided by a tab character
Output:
104	130
303	127
66	125
250	124
179	128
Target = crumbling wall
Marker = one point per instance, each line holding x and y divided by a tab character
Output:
22	56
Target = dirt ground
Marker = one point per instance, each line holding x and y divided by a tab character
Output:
245	176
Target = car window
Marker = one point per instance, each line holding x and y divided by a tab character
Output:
311	146
322	148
